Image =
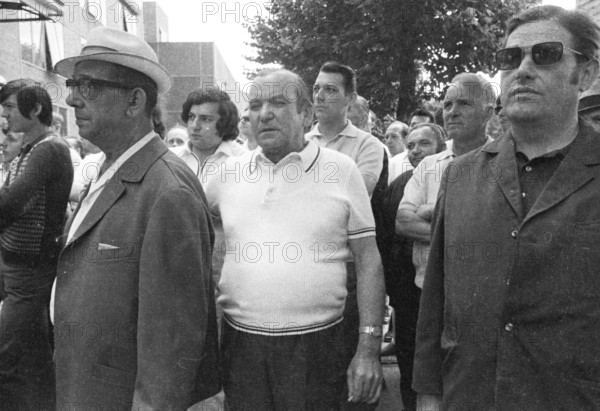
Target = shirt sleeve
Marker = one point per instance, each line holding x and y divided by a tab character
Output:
175	302
414	192
361	222
370	162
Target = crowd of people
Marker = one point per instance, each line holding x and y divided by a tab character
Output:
150	268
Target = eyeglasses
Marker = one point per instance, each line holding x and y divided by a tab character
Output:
91	88
542	54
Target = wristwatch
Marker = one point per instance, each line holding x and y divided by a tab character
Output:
374	331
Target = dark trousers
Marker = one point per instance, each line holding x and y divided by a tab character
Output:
27	380
298	372
406	307
351	323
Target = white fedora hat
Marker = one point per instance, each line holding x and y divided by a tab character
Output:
122	48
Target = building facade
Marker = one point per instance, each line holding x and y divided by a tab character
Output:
31	48
191	64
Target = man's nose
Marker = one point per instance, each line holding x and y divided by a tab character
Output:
195	123
266	113
72	100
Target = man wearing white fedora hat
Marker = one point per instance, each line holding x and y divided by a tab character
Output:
135	324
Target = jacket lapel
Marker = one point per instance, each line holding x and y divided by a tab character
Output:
573	173
109	195
133	171
503	170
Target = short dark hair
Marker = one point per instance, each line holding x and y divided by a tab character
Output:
29	95
421	112
13	87
440	134
584	31
135	79
347	73
227	126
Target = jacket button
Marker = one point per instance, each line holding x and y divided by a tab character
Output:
509	327
514	232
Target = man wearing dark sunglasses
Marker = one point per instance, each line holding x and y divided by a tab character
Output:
136	264
509	314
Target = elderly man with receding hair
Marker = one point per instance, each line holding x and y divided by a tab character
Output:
395	140
468	105
283	284
510	311
135	324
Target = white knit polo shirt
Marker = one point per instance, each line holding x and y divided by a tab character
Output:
287	227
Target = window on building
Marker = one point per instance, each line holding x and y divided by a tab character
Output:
56	43
42	43
34	48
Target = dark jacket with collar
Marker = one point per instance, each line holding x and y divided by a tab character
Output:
510	310
135	315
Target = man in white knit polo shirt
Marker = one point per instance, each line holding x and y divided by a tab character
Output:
293	214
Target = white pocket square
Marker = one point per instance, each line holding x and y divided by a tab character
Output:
102	246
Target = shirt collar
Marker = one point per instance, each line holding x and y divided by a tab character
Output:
450	152
307	157
349	131
27	147
114	167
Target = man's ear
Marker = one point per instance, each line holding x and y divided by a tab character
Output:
35	112
589	74
308	116
136	100
353	97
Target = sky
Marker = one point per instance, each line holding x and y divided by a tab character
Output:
222	21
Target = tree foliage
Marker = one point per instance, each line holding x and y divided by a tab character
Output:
402	50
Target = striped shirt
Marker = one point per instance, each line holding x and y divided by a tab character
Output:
33	203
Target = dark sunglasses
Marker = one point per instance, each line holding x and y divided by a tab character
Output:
542	54
90	88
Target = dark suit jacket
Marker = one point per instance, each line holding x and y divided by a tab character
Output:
136	323
510	310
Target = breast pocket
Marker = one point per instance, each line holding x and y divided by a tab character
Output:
105	253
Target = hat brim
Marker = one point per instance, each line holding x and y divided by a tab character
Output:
155	71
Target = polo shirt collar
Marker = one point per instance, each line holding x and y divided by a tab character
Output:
307	158
445	155
349	131
223	147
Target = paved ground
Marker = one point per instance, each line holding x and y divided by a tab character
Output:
390	397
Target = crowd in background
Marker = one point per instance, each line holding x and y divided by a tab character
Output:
256	250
